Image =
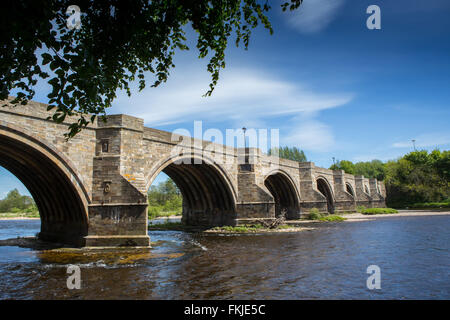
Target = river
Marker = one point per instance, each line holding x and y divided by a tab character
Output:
329	262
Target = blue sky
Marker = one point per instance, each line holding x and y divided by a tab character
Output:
331	86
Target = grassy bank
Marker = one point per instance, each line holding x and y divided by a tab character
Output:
177	226
253	228
372	211
431	205
11	215
155	212
314	214
248	228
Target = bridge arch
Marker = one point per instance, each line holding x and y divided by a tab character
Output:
284	192
51	180
325	189
209	198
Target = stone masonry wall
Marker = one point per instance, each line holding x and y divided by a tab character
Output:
116	161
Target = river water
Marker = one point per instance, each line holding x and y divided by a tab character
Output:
326	263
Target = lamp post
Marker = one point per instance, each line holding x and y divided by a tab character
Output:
244	129
414	144
245	140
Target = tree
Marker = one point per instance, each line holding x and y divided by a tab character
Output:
345	165
117	43
418	177
164	198
14	200
370	169
293	153
164	192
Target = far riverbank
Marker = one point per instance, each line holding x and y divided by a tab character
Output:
349	216
19	218
174	223
401	213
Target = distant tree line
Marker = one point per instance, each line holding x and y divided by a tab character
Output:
369	169
417	178
293	153
14	202
164	199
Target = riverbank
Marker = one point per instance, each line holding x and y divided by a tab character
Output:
401	213
348	216
174	223
19	218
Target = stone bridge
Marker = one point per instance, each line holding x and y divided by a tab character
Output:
92	189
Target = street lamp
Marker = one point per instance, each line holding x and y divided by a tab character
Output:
245	146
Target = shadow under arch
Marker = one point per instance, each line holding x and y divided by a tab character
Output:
208	195
325	189
366	190
52	182
349	189
284	193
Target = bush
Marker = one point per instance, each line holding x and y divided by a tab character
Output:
332	218
314	214
372	211
167	226
32	209
15	201
360	209
431	205
153	211
174	204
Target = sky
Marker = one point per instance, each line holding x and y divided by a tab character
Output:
331	86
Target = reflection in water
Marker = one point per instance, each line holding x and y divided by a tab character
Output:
329	262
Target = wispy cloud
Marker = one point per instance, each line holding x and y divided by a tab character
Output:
243	97
241	94
310	135
314	15
437	139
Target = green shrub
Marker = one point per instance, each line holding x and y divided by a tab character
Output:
371	211
314	214
167	226
153	212
32	210
173	204
234	229
332	218
360	209
431	205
